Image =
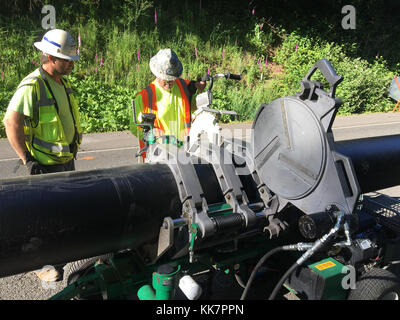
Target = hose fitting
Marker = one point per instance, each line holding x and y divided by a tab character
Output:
325	238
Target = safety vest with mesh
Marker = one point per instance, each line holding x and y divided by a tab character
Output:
149	99
44	133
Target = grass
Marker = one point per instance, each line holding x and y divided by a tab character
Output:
118	38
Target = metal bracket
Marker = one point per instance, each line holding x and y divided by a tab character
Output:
194	204
230	184
243	149
166	237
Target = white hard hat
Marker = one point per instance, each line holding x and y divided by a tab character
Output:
58	43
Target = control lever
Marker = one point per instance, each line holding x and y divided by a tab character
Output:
308	86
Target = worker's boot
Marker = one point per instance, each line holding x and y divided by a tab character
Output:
48	274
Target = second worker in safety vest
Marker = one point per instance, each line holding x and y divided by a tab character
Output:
169	97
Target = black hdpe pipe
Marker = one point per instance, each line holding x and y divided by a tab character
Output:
57	218
376	161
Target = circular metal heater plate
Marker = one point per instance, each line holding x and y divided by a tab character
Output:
289	148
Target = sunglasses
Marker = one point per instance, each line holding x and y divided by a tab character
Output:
61	59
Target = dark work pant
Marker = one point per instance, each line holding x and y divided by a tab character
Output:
68	166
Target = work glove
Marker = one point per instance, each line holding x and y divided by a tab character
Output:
33	166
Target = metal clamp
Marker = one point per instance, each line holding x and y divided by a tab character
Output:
229	182
194	204
271	203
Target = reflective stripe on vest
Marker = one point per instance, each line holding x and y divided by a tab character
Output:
187	115
56	148
150	100
152	108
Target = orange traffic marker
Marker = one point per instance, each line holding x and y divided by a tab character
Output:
86	158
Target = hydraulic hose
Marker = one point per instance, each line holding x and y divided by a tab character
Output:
282	280
258	265
309	253
299	247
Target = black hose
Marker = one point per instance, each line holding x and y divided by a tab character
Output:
258	265
282	280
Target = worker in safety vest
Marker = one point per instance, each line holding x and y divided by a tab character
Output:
42	120
169	97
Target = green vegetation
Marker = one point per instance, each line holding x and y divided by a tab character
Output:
273	47
365	85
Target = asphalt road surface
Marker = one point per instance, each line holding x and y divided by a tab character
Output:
117	149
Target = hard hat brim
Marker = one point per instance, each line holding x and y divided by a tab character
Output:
46	50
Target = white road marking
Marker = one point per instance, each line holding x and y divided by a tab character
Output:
82	152
366	125
106	150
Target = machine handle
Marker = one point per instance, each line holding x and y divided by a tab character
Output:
328	72
211	78
233	76
227	75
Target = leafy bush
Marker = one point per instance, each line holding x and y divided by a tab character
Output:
365	85
102	107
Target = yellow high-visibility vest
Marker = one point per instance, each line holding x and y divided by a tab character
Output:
44	132
166	123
